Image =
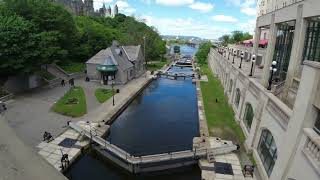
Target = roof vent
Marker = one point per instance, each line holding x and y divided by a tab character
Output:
119	52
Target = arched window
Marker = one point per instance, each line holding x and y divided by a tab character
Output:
248	116
237	100
230	85
267	151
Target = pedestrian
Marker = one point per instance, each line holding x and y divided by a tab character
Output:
62	83
45	135
72	82
216	100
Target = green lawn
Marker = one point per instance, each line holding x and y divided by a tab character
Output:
72	67
73	103
156	66
220	116
103	94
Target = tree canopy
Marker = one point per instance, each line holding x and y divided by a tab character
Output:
203	51
235	37
36	32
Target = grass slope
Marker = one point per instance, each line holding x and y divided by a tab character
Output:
103	95
73	67
74	110
220	116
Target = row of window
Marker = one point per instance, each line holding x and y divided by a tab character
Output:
267	148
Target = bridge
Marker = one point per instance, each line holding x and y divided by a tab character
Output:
149	163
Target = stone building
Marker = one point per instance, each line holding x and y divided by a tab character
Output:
278	106
86	8
118	63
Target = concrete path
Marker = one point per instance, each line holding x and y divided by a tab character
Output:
30	114
19	162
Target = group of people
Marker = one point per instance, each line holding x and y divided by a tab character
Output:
71	82
47	136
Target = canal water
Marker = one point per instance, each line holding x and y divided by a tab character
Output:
162	118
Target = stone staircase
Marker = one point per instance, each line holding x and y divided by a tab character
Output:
58	72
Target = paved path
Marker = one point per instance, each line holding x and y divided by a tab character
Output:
19	162
29	114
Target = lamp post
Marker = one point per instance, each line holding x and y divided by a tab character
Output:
253	60
144	51
241	57
234	55
273	69
112	85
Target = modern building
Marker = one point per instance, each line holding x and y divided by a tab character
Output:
118	63
277	103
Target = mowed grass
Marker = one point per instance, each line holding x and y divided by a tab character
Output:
220	116
103	95
75	109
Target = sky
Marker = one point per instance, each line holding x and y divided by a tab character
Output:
208	19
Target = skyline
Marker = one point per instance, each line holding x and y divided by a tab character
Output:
208	19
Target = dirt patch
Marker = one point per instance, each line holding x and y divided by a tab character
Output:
225	133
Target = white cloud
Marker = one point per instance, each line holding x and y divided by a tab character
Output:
174	2
186	26
97	4
125	7
203	7
223	18
247	7
248	26
249	11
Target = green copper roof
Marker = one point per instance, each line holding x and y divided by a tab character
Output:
107	68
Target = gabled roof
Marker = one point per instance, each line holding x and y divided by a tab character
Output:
132	52
121	56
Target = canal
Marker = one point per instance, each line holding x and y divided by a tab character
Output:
162	118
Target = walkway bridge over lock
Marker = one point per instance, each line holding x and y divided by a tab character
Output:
150	163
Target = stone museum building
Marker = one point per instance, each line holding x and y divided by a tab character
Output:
276	95
118	63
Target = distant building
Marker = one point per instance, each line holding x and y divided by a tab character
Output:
85	8
118	63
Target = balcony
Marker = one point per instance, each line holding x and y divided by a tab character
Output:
312	148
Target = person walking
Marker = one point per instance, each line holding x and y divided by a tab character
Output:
63	83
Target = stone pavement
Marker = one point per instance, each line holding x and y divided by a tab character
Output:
30	114
208	169
20	162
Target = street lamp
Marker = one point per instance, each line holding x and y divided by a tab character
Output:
144	51
273	69
112	87
241	57
253	60
234	55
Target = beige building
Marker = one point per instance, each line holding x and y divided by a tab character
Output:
278	107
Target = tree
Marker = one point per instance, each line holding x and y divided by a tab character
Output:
203	51
18	45
225	39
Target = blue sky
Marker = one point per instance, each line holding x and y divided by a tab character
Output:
203	18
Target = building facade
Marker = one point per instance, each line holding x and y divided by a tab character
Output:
119	64
282	124
86	8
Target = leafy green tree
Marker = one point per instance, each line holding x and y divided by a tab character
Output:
18	45
202	53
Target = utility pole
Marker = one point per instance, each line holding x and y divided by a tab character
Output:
144	51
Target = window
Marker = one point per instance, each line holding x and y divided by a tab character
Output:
230	86
237	100
267	151
317	123
248	116
282	50
265	35
312	42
